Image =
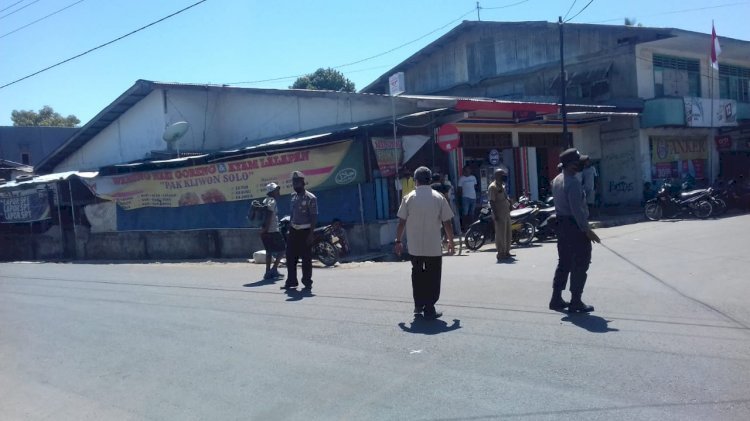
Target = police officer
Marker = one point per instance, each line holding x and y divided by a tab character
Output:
500	203
303	220
574	236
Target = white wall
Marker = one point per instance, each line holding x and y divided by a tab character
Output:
225	118
137	132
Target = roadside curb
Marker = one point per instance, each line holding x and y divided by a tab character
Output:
618	221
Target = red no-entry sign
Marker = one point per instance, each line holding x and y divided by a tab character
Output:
448	137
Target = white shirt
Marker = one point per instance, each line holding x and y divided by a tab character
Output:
270	203
467	185
424	211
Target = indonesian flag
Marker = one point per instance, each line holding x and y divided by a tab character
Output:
715	48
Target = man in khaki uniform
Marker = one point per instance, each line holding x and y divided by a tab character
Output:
501	204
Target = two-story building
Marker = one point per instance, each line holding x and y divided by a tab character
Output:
641	99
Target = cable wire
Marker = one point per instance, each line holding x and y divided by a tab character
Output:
580	11
364	59
104	45
18	10
19	1
40	19
506	6
676	12
569	9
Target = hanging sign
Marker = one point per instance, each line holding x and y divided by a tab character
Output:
448	137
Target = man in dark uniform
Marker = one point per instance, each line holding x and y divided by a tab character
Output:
304	217
574	236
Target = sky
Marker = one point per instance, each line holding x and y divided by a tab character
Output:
247	42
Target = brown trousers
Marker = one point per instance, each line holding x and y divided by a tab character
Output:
503	235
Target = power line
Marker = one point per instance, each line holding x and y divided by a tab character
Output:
19	1
504	7
580	11
569	9
275	79
677	11
367	58
18	10
40	19
104	45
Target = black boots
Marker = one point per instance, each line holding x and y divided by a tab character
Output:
578	306
557	303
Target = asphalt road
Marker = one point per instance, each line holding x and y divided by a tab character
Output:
670	339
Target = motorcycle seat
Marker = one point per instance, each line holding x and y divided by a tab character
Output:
691	193
520	212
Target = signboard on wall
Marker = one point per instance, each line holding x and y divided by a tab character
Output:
17	206
325	167
704	112
388	154
676	157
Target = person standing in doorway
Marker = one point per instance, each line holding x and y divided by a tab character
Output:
574	236
421	214
589	180
304	209
501	204
467	185
270	234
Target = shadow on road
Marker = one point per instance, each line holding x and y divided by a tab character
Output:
298	295
261	283
429	327
590	322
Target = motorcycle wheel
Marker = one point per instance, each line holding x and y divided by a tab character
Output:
326	253
720	206
703	209
474	239
652	211
526	234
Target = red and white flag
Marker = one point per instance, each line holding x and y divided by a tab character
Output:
715	48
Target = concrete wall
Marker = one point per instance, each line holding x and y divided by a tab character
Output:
620	166
38	142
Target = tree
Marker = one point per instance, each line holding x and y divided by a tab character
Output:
632	22
324	80
45	117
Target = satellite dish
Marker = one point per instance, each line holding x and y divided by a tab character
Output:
174	132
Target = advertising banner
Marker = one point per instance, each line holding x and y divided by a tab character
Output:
24	206
325	167
668	149
388	153
704	112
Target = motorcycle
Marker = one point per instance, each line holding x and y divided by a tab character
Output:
522	228
666	205
324	247
545	219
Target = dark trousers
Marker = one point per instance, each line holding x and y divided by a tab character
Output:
425	280
297	248
574	256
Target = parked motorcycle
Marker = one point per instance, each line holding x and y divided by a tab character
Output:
324	247
665	205
483	229
545	219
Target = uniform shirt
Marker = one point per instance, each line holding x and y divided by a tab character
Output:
467	184
570	200
424	211
589	173
304	206
499	199
273	210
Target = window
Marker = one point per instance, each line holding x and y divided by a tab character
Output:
734	83
25	158
675	76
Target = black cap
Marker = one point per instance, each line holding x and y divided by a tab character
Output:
571	155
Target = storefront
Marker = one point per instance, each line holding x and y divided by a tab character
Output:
680	158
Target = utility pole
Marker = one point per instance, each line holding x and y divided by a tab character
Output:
567	138
479	18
